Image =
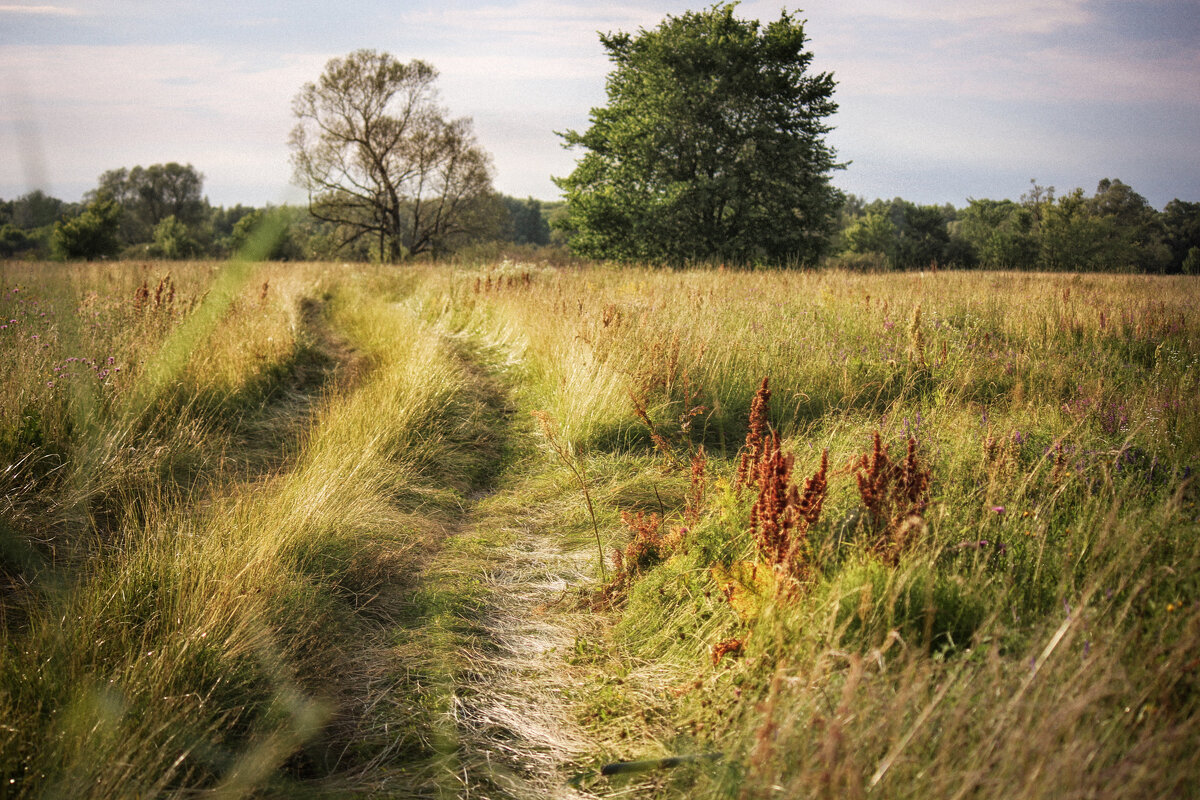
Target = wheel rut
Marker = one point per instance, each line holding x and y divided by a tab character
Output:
496	609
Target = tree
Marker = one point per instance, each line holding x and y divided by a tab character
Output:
149	195
872	233
711	146
525	222
378	158
1132	228
1000	232
13	240
1181	224
173	240
90	235
37	210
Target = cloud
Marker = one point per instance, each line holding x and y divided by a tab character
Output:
101	107
552	22
43	11
983	16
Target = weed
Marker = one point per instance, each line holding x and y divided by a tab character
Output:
895	495
552	437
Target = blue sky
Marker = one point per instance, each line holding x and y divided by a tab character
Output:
940	101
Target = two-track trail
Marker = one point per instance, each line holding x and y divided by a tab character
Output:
488	625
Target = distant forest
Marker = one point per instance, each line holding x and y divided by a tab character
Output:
161	212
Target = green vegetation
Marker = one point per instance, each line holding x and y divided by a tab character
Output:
90	235
496	526
296	529
497	225
1115	230
710	147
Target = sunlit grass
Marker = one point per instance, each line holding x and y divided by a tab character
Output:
207	638
222	490
1057	418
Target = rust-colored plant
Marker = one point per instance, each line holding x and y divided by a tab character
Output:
141	297
768	520
648	381
782	514
692	407
756	436
695	497
670	460
647	547
725	648
916	340
1062	468
895	493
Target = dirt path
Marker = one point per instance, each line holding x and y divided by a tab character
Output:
511	715
489	628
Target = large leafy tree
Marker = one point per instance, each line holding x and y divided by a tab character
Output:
711	146
379	160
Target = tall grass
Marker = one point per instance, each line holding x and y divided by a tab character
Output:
1027	629
216	626
963	564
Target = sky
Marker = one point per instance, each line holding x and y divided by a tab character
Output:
939	101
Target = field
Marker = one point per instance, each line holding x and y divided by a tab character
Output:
501	530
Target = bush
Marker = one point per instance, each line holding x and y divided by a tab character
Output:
91	235
173	240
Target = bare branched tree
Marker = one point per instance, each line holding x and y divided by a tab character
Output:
378	158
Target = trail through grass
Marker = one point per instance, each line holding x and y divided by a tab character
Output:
327	549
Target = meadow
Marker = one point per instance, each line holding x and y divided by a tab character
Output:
511	530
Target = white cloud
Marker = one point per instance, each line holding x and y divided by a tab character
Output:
43	11
552	22
984	16
97	108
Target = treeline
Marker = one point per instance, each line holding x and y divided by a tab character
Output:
160	211
1114	230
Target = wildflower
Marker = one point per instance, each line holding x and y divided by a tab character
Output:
998	509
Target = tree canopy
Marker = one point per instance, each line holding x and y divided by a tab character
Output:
711	146
379	159
91	235
149	195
